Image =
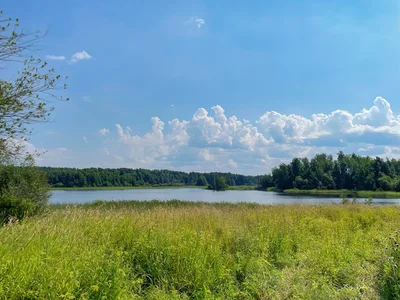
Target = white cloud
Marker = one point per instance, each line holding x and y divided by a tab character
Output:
340	126
379	114
84	138
199	22
212	140
55	57
83	55
232	163
104	131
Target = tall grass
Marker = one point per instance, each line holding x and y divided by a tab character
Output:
186	250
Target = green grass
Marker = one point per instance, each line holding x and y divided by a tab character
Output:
347	193
241	188
194	250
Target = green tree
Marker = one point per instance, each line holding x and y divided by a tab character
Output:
201	181
266	182
296	167
219	183
386	183
23	191
282	177
23	101
300	183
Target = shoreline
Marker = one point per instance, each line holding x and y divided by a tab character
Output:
111	188
346	193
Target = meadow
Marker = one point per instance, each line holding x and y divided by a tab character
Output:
193	250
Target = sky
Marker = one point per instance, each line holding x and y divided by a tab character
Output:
216	85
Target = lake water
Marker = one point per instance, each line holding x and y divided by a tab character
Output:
193	194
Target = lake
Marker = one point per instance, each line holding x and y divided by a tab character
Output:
194	194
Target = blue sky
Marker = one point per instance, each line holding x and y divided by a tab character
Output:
250	85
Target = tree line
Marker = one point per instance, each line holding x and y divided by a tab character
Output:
352	172
98	177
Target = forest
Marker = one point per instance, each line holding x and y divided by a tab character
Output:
323	172
98	177
351	172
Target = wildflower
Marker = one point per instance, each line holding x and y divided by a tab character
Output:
95	288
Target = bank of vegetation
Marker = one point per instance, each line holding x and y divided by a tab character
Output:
124	177
360	176
344	193
186	250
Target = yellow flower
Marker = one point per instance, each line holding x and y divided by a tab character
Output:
94	288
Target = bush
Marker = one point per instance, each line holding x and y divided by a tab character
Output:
23	192
58	185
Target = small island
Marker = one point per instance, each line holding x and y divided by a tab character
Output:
218	184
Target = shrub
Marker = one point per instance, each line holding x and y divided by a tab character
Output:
368	201
345	200
23	192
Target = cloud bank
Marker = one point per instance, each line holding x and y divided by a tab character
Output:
213	141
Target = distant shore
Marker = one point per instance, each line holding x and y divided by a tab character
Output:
345	193
106	188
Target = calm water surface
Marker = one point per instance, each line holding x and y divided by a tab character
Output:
191	194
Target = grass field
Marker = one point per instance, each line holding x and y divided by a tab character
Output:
347	193
186	250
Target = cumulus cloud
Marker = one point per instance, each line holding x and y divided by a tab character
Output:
376	124
215	140
220	131
212	140
199	22
78	56
206	139
55	57
104	131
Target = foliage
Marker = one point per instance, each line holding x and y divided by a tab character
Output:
23	192
368	201
266	182
349	172
347	193
201	181
186	250
97	177
391	270
24	100
345	200
218	183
